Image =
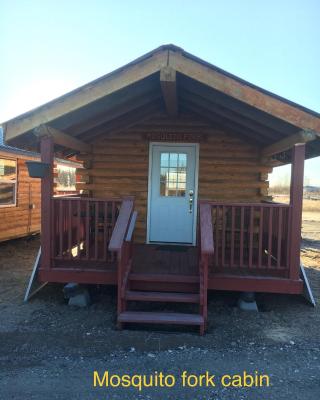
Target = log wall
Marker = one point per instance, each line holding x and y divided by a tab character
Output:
22	220
229	168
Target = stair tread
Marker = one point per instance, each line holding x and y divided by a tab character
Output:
160	317
164	278
137	295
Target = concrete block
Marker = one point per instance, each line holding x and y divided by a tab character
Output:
72	289
81	299
247	306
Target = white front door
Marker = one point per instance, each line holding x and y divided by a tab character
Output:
173	193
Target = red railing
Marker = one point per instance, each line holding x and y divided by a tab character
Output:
121	243
206	251
251	236
82	229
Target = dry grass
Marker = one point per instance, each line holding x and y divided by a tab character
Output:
308	205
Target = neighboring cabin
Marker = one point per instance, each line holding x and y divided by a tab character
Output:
20	195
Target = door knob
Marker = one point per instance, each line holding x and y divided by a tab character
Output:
190	204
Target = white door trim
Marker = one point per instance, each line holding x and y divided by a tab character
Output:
196	177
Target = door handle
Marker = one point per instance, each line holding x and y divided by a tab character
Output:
191	192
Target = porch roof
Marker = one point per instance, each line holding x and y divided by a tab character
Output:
172	80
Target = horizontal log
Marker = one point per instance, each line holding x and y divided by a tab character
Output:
232	184
133	172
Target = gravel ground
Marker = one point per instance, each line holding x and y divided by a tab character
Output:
50	350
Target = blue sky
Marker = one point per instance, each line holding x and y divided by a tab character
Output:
50	47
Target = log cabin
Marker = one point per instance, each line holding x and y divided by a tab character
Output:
20	199
174	194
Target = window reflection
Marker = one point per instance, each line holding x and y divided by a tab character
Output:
173	174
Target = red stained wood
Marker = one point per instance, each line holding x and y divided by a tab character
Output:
217	237
78	227
241	235
296	196
163	318
260	237
232	235
121	227
249	283
270	236
206	230
47	156
279	244
251	236
223	235
176	278
96	229
87	240
162	296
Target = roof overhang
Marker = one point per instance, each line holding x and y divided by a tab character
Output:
169	78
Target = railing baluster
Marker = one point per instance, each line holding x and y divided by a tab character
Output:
87	240
105	230
78	228
279	238
61	228
251	236
232	236
270	236
70	229
113	218
216	248
241	234
223	247
96	230
260	238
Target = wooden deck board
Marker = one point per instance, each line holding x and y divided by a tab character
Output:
157	259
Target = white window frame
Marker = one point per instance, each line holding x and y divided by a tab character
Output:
15	182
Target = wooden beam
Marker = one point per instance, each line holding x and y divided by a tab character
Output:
169	90
231	127
230	116
124	122
243	91
119	111
296	197
86	94
287	143
62	138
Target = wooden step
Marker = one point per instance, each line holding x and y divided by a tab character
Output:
135	295
144	317
164	278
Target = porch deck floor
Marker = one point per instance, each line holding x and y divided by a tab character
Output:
165	259
157	259
183	260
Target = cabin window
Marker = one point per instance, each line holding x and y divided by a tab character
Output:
8	182
66	178
173	174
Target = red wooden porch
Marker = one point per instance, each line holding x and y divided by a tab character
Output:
240	247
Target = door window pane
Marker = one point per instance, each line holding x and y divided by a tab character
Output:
173	174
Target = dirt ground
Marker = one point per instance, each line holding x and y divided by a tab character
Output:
49	350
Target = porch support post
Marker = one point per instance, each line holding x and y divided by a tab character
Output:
47	156
296	197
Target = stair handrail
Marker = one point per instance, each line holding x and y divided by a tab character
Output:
119	245
129	243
